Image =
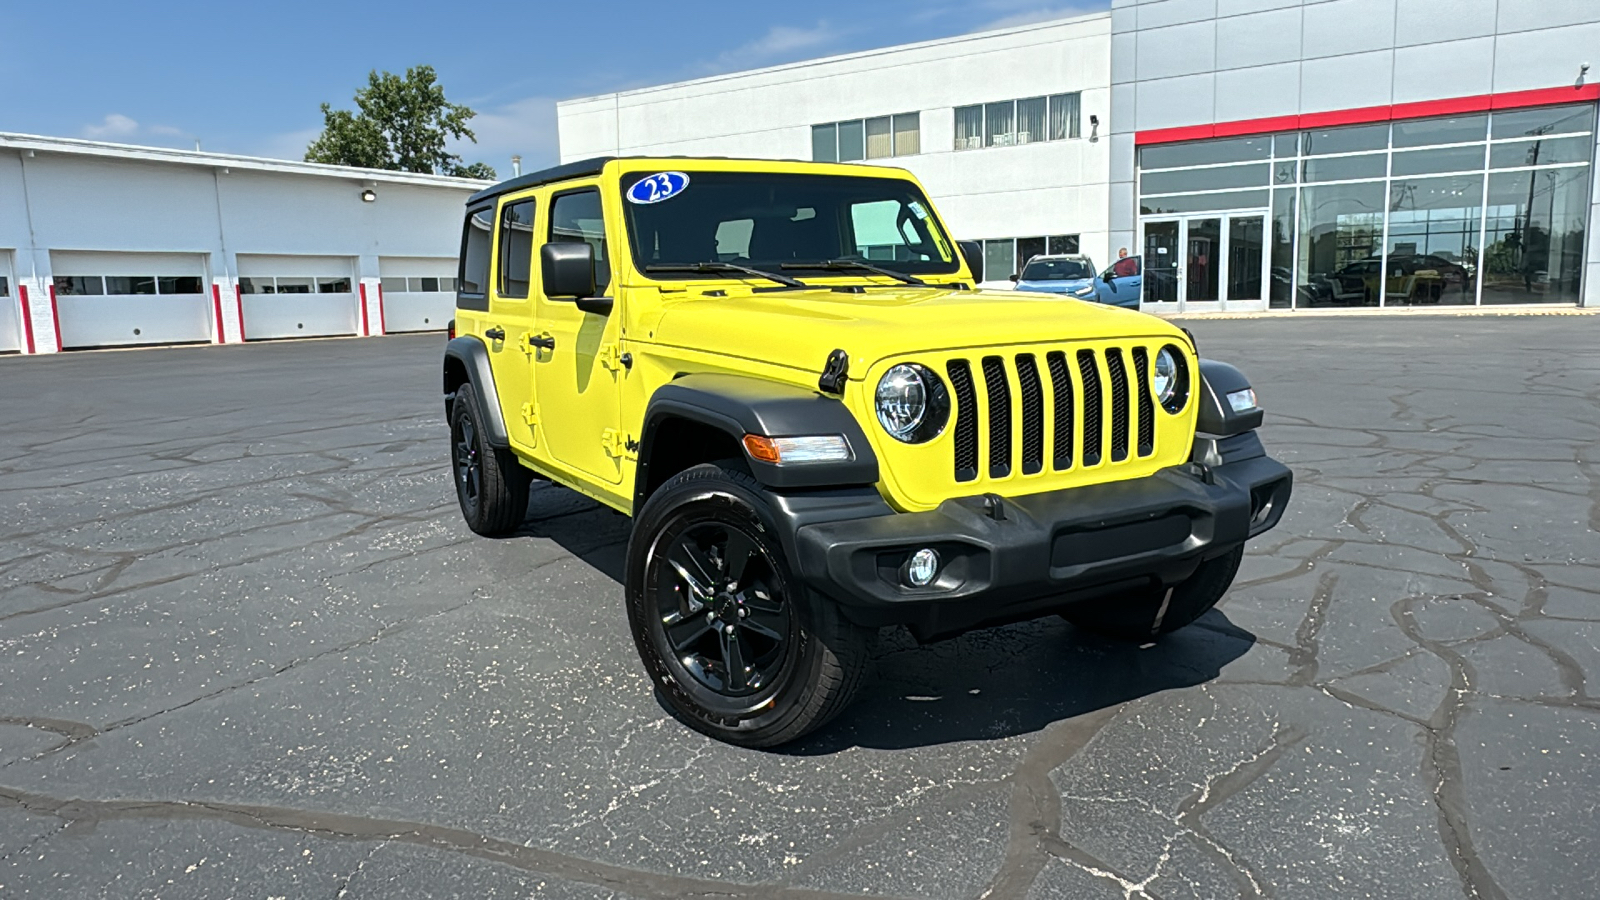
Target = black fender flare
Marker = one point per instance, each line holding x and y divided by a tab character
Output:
738	405
469	351
1217	416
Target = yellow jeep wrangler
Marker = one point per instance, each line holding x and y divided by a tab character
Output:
783	372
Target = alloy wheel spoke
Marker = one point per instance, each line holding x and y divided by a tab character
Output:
732	658
741	549
699	590
765	629
686	631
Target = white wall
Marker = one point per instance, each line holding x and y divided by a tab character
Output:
100	200
1178	63
1056	187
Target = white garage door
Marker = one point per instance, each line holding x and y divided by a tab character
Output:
419	293
297	296
10	307
111	299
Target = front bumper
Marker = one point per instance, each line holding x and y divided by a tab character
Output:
1014	558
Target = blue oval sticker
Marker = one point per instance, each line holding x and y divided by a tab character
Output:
658	187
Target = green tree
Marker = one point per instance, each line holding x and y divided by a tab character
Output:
401	124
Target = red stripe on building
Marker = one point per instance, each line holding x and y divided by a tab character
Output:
1454	106
216	308
27	316
365	330
238	305
55	318
383	324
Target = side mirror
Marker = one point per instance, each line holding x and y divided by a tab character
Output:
1015	277
567	270
1107	276
972	252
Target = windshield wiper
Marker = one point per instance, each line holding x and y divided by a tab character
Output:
709	268
836	265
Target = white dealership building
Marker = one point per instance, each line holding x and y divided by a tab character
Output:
1286	154
111	245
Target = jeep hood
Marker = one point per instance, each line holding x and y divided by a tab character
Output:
800	328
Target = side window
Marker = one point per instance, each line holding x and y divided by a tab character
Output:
576	217
476	238
887	230
516	248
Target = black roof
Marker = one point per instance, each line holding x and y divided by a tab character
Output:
579	169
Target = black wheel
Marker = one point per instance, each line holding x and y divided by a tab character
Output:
738	647
1144	615
490	483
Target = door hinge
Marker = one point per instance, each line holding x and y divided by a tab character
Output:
614	360
530	415
618	445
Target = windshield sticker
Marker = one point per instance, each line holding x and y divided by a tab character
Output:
658	187
918	210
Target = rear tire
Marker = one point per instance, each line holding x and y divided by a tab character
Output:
491	485
1140	616
738	647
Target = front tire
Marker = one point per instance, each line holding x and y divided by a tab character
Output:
1145	615
491	485
739	648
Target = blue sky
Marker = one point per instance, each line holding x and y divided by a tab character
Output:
248	78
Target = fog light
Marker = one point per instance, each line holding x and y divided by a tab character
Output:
1242	401
922	567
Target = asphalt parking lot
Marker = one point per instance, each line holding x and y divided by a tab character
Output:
247	648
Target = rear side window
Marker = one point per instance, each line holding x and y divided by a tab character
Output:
476	240
576	217
516	248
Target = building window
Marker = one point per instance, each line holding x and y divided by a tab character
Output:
1473	209
1008	123
879	137
395	284
1004	257
128	285
295	284
5	286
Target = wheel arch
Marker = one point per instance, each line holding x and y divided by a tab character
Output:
466	361
704	418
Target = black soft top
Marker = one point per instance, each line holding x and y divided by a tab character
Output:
580	169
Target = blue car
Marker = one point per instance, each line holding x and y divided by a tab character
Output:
1117	286
1057	275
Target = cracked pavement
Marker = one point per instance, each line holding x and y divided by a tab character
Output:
247	648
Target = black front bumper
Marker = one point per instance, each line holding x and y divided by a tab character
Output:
1014	558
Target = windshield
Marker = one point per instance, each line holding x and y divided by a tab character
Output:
1057	270
767	221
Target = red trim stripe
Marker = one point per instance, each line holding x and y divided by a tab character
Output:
216	308
27	317
238	305
383	324
365	330
55	317
1454	106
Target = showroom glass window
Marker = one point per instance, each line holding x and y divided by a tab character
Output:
1479	208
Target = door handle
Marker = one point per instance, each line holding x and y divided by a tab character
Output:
542	341
495	334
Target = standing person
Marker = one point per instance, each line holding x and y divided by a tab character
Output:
1125	265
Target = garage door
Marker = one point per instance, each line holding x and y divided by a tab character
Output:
10	307
297	296
111	299
419	294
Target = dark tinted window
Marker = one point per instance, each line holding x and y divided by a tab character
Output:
576	218
179	284
249	285
1204	153
475	243
1342	168
1456	130
333	285
5	286
1515	154
79	285
1544	120
1347	140
1062	243
296	285
516	249
1204	179
1056	270
825	143
140	285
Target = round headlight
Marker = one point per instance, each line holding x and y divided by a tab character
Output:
912	403
1169	379
1165	377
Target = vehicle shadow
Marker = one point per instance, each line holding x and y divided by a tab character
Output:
989	684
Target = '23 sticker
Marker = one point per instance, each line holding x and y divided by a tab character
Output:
658	187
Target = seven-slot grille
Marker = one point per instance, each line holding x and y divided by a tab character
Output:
1092	396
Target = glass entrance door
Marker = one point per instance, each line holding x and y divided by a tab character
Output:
1161	243
1207	262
